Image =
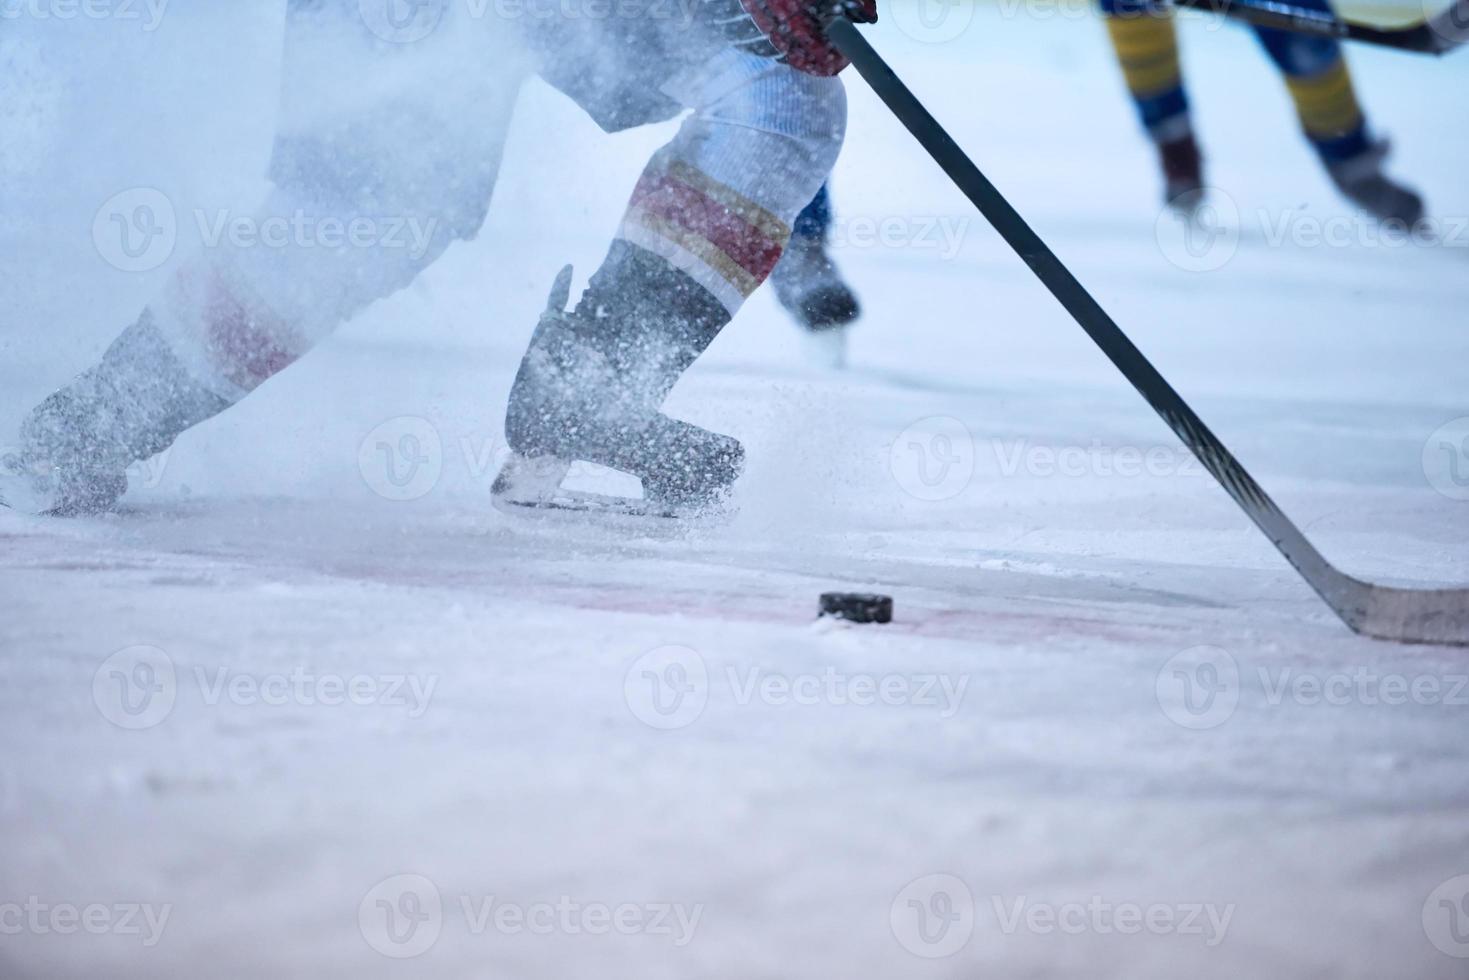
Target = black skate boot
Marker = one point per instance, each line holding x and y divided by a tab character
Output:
1183	174
75	447
1362	181
810	287
590	386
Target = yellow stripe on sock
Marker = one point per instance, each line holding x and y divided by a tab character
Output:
1327	103
1147	47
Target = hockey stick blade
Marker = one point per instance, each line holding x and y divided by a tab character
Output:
1405	615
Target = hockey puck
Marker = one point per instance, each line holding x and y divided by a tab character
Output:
857	607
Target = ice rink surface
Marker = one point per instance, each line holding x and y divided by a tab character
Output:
1110	734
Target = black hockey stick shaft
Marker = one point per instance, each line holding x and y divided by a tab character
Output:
1437	35
1357	603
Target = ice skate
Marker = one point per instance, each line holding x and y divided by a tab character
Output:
1363	182
811	288
73	451
588	393
1183	175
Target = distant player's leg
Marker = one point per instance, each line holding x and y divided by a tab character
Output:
807	281
1321	86
1145	38
406	168
706	226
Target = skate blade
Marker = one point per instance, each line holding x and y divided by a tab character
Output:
531	485
826	349
591	504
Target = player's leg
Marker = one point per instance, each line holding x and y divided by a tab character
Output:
1145	38
1321	86
385	154
807	281
707	224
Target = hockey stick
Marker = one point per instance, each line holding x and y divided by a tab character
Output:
1404	615
1438	34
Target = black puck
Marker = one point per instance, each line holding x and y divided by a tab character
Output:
857	607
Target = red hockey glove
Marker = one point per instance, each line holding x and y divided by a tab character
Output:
797	29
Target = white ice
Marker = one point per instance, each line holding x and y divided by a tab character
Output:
1053	599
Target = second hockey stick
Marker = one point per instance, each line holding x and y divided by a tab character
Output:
1407	615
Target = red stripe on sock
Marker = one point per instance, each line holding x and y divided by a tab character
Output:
694	211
